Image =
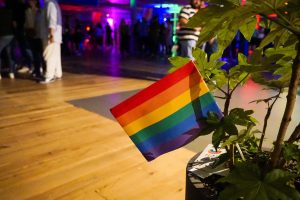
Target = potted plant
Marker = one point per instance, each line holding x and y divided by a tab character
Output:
255	173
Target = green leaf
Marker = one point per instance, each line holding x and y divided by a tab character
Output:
243	60
200	60
248	183
217	137
286	51
178	62
240	117
231	140
247	29
229	126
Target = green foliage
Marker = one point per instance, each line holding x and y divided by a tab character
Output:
224	129
207	68
246	139
241	117
177	62
247	181
292	152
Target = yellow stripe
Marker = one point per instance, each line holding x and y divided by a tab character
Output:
167	109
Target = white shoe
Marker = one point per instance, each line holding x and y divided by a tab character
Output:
47	80
0	77
23	70
11	75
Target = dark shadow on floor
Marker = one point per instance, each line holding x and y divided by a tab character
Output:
101	104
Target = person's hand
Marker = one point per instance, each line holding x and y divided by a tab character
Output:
51	39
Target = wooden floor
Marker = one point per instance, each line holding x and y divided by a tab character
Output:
50	149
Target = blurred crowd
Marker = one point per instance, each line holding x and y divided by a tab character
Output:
144	38
24	38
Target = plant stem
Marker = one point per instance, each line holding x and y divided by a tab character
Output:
295	135
228	98
231	156
290	104
270	107
226	105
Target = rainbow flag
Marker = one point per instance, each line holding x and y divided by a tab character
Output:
165	115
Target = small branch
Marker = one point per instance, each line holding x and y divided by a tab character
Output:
295	135
270	107
238	84
228	98
220	97
224	92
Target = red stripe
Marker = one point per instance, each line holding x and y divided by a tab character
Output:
153	90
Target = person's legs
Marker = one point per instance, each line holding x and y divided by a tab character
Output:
50	59
191	45
37	50
5	45
186	48
11	65
58	67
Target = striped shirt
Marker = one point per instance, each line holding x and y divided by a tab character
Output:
187	33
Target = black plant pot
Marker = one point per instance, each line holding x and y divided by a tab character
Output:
297	183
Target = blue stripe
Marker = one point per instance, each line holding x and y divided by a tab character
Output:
170	134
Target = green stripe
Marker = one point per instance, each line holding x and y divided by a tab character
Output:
173	119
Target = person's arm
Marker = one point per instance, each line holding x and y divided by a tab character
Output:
183	21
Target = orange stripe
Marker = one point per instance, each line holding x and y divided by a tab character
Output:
160	99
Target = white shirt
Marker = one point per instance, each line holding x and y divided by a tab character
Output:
54	20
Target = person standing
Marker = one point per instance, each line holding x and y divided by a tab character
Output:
34	27
108	32
188	37
6	37
52	52
124	38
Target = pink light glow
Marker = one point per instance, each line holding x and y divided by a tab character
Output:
120	1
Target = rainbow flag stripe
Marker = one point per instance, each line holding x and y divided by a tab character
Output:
165	115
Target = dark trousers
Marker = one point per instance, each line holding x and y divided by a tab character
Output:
37	52
5	47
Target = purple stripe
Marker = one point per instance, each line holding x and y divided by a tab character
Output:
172	144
